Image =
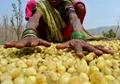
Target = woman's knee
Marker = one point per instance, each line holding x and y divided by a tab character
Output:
81	11
80	7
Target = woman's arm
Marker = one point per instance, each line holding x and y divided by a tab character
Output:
74	21
34	20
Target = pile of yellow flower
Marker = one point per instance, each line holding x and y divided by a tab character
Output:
42	65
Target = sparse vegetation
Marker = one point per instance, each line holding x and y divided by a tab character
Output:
17	19
11	28
109	34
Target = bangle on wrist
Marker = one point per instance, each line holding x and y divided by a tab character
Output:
78	34
29	32
29	35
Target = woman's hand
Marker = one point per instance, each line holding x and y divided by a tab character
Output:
79	45
29	41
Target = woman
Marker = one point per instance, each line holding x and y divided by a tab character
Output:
50	23
78	5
